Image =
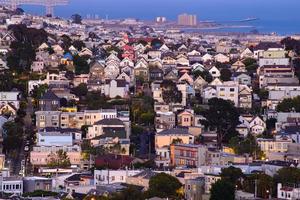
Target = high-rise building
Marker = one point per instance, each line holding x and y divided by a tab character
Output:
187	20
161	19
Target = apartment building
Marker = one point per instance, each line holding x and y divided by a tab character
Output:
187	20
273	145
193	155
72	119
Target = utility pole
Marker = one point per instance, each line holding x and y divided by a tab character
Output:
255	188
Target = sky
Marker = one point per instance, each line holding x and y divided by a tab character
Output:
279	16
205	9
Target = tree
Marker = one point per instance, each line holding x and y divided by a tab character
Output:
232	174
287	176
6	81
223	117
263	181
263	94
12	136
222	190
66	42
38	91
81	90
130	193
81	65
76	19
170	92
78	44
204	74
288	105
22	53
246	145
147	117
250	65
163	185
225	74
291	44
177	141
59	159
270	123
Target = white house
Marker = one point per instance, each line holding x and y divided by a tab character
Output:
221	58
114	88
215	72
104	177
254	124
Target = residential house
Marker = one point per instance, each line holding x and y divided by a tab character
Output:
164	120
116	88
49	102
166	137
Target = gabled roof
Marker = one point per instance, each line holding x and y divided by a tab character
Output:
114	121
267	45
175	131
49	95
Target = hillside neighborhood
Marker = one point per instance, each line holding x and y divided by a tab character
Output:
119	110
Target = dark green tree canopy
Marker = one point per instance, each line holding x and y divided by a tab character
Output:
223	117
225	74
170	92
163	185
232	174
222	190
288	105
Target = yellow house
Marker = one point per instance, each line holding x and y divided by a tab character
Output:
186	118
274	53
166	137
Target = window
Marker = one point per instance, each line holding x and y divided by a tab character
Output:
231	89
189	187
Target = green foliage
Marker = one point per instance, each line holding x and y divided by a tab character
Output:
39	91
80	90
147	117
288	105
287	176
222	190
232	174
59	160
142	111
130	193
95	101
291	44
270	123
81	65
23	48
78	44
263	181
149	164
246	145
225	74
12	137
223	117
205	75
40	193
263	94
66	42
170	92
177	141
163	185
251	65
6	81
